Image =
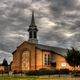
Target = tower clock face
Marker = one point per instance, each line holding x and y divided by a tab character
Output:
25	60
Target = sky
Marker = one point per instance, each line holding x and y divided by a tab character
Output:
58	22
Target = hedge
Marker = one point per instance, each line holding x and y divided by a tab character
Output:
43	71
48	72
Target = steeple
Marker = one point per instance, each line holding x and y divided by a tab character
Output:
33	30
32	19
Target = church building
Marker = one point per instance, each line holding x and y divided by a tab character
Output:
31	55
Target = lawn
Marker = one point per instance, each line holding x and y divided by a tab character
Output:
32	78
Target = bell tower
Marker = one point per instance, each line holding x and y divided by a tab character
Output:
33	30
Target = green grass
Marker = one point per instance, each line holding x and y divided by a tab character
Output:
32	78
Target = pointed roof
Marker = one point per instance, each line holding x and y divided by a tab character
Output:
32	25
32	19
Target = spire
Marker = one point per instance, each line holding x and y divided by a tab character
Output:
32	19
33	30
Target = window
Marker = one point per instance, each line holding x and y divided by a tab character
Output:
35	35
47	59
30	34
53	59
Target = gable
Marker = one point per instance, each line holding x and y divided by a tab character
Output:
25	46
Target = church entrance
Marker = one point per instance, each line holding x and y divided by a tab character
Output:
25	60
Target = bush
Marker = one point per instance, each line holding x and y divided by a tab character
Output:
42	72
17	72
20	72
76	75
24	72
64	71
43	69
1	71
4	72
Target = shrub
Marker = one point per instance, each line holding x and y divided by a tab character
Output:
4	72
76	75
1	71
17	72
64	71
24	72
43	69
42	72
32	72
20	72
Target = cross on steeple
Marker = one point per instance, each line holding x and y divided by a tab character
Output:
33	30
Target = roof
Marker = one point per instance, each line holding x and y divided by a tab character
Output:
61	51
58	50
13	52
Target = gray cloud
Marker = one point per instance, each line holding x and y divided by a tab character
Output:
58	22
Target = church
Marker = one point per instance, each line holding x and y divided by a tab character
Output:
31	55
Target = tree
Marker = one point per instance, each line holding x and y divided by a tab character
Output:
73	57
5	63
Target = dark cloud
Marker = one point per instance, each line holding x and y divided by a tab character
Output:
57	20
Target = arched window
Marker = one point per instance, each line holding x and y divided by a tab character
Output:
25	60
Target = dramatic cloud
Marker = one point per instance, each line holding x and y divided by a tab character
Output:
58	22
